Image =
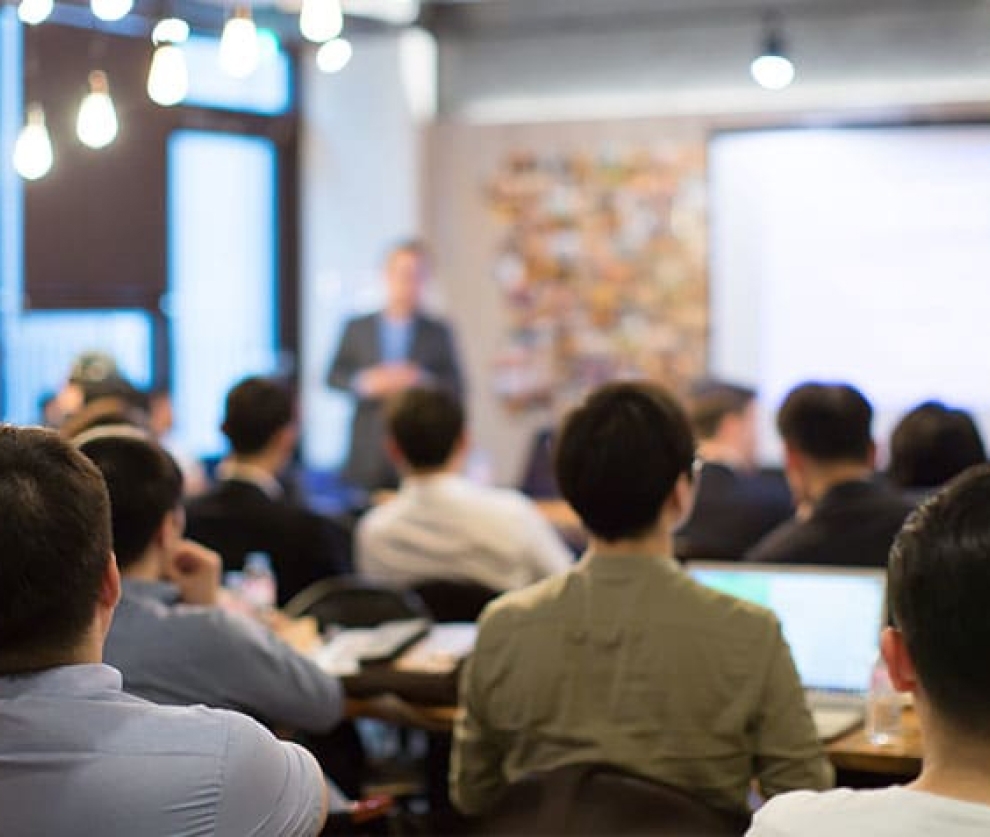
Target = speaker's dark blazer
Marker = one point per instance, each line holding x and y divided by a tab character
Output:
432	348
237	517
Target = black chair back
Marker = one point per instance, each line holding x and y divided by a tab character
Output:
355	603
454	601
593	799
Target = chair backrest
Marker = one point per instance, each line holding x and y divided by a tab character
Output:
454	601
355	603
586	799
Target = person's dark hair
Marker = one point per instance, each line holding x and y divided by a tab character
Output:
255	410
933	443
710	401
144	484
937	581
425	423
103	412
55	520
619	455
827	422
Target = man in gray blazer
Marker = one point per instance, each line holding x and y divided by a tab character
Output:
385	353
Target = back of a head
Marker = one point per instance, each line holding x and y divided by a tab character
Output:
710	401
255	410
144	484
619	455
55	520
828	422
426	424
103	412
932	444
938	579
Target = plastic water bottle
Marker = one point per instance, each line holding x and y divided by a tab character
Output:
883	707
258	587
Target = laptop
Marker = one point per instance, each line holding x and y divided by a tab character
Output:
830	616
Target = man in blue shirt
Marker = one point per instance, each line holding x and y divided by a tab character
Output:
385	353
76	753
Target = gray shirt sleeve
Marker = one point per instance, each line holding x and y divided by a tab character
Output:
255	672
270	788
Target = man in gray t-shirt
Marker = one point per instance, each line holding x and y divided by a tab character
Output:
77	755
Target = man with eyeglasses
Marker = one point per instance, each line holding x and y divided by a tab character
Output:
625	659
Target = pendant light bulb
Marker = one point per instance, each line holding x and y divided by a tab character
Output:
240	51
321	20
33	155
334	55
96	124
33	12
111	10
168	78
772	69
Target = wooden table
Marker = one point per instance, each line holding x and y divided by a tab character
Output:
902	757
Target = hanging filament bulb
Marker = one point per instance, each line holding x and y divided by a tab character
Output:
168	78
96	125
239	47
321	20
33	12
33	155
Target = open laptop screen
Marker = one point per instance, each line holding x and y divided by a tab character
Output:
831	617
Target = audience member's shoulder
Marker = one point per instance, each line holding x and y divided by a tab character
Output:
841	811
268	781
519	606
510	498
725	612
774	546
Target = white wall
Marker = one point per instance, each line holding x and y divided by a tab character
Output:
360	192
857	255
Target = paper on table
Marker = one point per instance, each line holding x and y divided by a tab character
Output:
442	650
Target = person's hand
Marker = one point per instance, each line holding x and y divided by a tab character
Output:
387	379
195	570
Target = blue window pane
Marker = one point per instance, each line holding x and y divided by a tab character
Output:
222	275
268	90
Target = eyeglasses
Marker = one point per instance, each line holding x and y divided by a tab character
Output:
697	464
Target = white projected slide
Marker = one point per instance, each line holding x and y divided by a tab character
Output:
860	255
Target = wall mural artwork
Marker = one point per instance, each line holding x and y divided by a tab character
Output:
601	264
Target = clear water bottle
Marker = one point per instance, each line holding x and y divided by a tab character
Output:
258	584
883	707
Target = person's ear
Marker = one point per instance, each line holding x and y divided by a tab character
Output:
285	439
110	585
461	447
900	666
170	529
394	454
680	501
871	456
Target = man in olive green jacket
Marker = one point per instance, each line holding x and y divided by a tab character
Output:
625	659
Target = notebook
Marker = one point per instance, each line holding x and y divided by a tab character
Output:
831	618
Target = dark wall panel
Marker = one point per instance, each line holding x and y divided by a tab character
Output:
95	227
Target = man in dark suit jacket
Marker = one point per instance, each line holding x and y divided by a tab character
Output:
735	504
845	517
385	353
248	510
